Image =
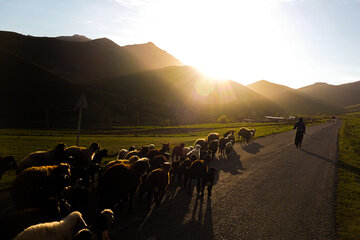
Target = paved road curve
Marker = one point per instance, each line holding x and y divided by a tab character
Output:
268	190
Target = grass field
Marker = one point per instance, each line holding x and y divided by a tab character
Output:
348	187
21	142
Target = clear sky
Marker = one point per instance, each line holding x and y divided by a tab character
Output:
290	42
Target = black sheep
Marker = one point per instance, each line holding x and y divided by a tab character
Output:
119	183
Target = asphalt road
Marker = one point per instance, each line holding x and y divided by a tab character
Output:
267	190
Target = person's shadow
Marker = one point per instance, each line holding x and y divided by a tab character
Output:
319	156
252	148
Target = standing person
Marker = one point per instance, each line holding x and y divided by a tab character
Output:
300	125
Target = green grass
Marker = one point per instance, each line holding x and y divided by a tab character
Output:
348	187
21	142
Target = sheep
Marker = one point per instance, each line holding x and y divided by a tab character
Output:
15	222
119	183
99	230
64	229
213	147
222	143
82	156
102	224
6	164
35	185
213	136
177	151
228	149
43	158
197	170
151	146
157	161
202	142
195	152
186	150
157	182
154	152
78	194
231	137
131	153
246	134
210	178
228	132
83	234
122	153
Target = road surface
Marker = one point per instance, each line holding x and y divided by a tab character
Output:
267	190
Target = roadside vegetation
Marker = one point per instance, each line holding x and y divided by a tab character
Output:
21	142
348	187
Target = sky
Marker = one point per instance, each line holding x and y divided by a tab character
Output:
291	42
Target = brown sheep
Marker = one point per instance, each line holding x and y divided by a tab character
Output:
155	152
177	151
157	182
43	158
82	156
213	147
119	183
197	170
222	144
246	134
35	185
157	161
213	136
202	142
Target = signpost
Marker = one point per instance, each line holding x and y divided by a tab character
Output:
82	103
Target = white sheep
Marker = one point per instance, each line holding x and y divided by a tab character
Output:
65	229
151	146
195	152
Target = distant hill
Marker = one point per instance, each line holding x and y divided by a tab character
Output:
291	100
74	38
81	61
341	95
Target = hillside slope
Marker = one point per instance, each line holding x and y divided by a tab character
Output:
291	100
341	95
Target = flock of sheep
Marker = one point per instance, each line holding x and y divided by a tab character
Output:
53	188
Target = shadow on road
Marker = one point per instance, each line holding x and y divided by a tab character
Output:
319	156
253	148
232	164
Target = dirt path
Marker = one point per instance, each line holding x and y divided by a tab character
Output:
268	190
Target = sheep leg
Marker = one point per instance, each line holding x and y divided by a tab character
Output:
209	188
130	203
149	198
189	184
198	185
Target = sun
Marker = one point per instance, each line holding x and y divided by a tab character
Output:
241	40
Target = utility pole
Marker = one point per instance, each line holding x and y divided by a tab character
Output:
82	103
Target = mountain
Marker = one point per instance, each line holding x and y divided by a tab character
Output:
31	96
151	57
292	101
341	95
74	38
182	95
82	61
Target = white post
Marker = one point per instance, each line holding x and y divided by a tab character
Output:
78	128
82	103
